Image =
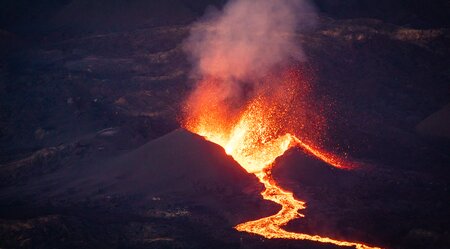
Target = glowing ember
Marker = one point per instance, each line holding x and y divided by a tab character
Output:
255	135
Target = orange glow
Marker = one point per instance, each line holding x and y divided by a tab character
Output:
255	134
270	227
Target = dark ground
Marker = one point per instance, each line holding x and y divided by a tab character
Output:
89	98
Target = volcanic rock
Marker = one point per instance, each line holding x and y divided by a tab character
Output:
71	69
179	167
179	162
179	179
437	124
341	200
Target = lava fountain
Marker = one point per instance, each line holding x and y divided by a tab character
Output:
255	133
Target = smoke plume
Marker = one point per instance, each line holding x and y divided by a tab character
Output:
246	40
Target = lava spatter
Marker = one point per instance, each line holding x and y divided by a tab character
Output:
255	136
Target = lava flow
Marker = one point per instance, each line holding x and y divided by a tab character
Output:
255	135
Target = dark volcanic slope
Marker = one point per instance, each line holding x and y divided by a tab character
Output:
385	207
179	177
178	165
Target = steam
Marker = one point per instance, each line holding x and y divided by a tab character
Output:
247	40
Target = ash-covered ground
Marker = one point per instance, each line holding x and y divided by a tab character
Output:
91	154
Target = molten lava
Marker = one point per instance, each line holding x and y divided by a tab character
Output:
255	135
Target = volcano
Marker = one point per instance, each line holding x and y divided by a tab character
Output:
146	124
178	169
179	176
179	166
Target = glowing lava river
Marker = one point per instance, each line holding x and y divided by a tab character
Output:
255	136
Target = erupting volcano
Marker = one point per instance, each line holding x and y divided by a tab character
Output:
255	136
251	100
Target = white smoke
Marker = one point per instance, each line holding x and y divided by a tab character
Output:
247	39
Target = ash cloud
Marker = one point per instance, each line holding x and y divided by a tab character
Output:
247	39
